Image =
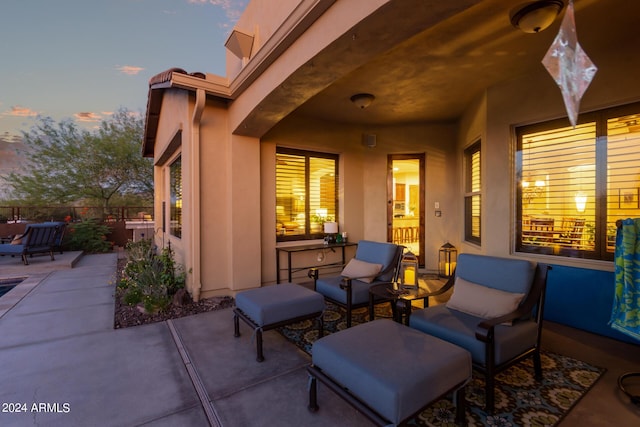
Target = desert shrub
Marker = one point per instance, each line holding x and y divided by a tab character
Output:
150	279
89	236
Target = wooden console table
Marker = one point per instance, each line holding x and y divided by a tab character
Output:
289	250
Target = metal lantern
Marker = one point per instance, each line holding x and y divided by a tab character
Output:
409	271
447	259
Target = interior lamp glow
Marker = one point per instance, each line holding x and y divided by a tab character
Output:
330	227
581	202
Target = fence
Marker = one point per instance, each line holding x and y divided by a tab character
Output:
24	214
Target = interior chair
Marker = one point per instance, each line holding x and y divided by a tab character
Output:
571	231
495	312
374	263
540	230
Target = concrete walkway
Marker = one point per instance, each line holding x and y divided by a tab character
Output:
63	364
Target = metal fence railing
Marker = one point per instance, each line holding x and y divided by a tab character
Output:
18	214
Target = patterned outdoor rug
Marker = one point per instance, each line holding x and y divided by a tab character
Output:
520	399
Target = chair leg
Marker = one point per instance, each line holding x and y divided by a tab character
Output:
461	406
489	391
321	325
260	357
537	365
313	394
236	325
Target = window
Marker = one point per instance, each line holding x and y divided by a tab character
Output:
175	188
472	194
306	193
574	183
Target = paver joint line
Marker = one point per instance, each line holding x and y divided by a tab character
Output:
207	405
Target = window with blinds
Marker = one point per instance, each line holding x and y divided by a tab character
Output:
175	189
575	182
473	195
306	193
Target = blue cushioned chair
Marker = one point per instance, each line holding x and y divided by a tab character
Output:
499	342
351	293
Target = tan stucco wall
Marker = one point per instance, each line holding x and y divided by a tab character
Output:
270	15
173	118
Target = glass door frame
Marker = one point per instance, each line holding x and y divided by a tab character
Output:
421	199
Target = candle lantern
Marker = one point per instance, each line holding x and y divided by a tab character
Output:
447	259
409	271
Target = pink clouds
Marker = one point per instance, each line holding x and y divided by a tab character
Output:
129	69
232	8
87	116
18	111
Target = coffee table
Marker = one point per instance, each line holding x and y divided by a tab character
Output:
400	299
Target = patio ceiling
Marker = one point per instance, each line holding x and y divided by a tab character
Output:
434	75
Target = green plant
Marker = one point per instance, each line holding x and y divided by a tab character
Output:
150	279
89	236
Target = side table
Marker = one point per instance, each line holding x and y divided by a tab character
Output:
400	301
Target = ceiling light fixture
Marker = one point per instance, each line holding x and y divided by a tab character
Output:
362	100
535	16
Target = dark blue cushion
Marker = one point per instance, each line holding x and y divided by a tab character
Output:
330	288
273	304
394	369
378	253
9	249
506	274
460	328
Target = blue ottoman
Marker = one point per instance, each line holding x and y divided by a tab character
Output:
274	306
388	371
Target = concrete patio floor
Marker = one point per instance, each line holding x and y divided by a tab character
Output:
59	351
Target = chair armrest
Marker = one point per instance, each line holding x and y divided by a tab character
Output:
484	330
345	283
444	287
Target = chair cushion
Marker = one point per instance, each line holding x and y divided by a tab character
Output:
10	249
393	369
278	303
505	274
482	301
361	270
330	288
378	253
460	328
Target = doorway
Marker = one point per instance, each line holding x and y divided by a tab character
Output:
405	207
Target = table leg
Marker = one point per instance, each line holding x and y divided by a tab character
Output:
372	313
289	265
277	266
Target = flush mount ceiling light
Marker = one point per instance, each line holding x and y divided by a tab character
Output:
533	17
362	100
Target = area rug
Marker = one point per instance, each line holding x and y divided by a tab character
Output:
520	399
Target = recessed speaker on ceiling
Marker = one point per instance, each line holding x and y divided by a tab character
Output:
369	140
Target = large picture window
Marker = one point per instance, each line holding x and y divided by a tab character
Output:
175	188
575	182
472	194
306	193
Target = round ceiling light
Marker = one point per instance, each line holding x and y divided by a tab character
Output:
533	17
362	100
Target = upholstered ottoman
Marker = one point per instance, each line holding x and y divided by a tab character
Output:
274	306
388	371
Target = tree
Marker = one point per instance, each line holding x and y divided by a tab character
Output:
66	164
